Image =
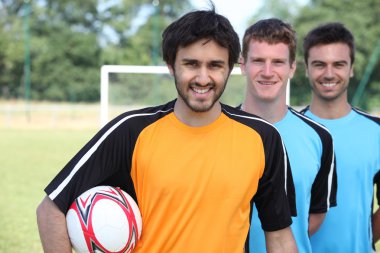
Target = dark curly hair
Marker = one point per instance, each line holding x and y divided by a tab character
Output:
329	33
197	25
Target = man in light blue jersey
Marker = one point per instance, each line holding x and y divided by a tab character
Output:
329	54
268	62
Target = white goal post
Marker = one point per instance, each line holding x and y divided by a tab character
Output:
133	69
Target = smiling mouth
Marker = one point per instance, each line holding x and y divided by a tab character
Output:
266	82
201	91
328	84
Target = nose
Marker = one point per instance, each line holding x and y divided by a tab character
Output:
267	69
203	76
329	73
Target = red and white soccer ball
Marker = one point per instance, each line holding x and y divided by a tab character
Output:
104	219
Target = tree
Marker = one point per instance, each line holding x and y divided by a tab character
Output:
140	45
70	40
286	10
11	47
362	18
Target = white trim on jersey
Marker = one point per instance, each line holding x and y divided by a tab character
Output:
330	178
86	156
283	145
310	120
330	175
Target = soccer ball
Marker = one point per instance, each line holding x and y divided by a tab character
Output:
104	219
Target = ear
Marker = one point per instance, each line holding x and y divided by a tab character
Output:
171	69
306	71
293	67
352	71
242	65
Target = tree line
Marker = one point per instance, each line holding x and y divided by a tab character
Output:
64	43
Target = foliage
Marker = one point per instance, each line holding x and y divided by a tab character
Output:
70	40
361	17
283	9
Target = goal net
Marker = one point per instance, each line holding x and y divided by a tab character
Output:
127	87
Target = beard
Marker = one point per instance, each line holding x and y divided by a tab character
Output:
199	105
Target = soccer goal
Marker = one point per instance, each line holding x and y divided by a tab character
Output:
126	87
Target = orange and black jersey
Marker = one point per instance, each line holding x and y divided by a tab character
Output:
194	185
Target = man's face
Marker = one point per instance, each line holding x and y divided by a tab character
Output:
329	70
200	71
267	69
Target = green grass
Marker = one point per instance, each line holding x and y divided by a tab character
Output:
29	160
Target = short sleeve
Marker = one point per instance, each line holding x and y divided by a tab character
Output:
324	188
271	198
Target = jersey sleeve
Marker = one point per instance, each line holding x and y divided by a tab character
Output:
324	188
271	198
104	160
290	188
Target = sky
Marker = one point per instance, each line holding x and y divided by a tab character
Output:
237	11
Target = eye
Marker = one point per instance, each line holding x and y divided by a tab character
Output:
257	61
278	62
191	63
318	65
340	65
215	65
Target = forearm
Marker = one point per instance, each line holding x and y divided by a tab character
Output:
52	228
376	225
281	241
315	221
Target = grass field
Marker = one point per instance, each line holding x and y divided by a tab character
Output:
31	154
29	160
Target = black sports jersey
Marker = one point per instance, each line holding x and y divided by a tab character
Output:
194	185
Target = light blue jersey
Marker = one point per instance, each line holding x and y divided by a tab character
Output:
347	228
311	155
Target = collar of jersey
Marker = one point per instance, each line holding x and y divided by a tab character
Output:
222	119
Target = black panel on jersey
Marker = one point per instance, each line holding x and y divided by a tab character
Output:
319	196
117	137
368	116
291	192
272	175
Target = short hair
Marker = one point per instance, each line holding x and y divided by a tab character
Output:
329	33
197	25
272	31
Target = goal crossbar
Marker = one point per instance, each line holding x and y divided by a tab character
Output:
135	69
127	69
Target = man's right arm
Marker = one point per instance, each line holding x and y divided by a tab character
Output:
280	241
52	227
376	224
315	221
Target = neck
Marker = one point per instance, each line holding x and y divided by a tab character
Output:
333	109
272	111
196	119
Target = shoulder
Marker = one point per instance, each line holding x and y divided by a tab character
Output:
366	115
321	130
136	120
255	122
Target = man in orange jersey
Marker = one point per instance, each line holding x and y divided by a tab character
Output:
194	165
